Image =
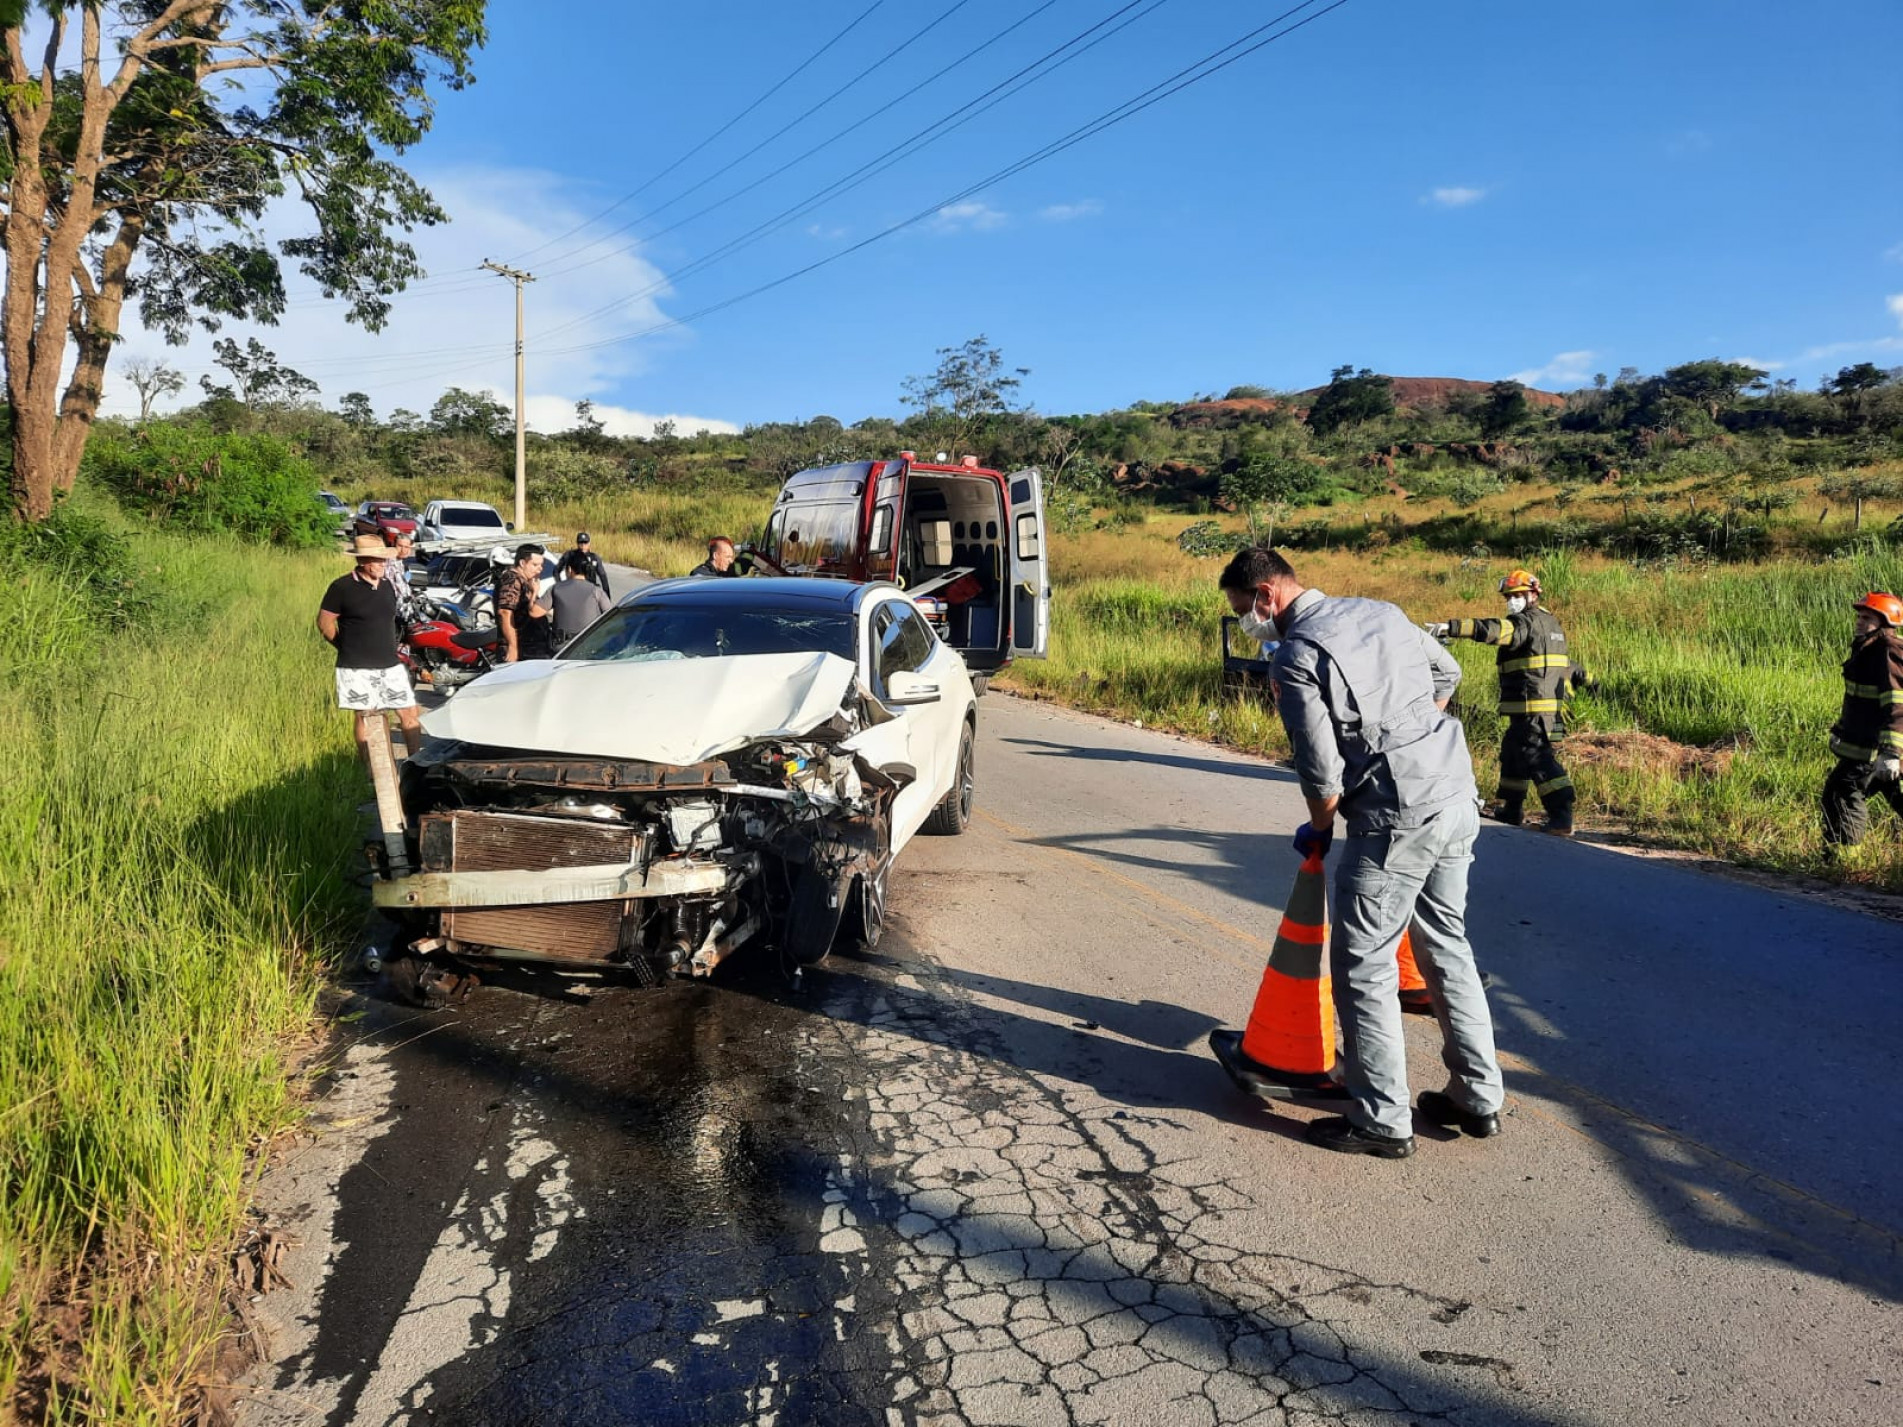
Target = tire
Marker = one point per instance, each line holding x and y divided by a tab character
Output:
953	815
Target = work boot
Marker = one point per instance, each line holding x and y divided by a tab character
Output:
1512	814
1442	1110
1344	1136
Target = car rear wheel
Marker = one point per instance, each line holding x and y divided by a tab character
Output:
953	814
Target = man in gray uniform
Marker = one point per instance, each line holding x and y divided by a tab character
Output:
1363	695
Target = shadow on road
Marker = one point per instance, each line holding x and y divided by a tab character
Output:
710	1131
1233	768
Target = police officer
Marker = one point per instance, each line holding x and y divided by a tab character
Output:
1537	677
1868	735
1363	695
584	558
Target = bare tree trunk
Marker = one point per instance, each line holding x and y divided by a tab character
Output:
1858	526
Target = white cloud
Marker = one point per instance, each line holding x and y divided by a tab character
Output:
1566	369
550	414
1894	253
1688	142
973	215
1895	303
458	327
1070	212
828	232
1455	197
1760	363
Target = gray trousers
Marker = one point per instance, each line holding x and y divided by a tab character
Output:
1384	880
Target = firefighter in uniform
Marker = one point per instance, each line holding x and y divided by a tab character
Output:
1868	735
1537	678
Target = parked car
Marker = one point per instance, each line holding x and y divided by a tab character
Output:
966	542
712	764
461	520
335	506
385	519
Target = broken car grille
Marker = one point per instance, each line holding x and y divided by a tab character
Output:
473	841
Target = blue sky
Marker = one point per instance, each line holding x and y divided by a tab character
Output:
1475	189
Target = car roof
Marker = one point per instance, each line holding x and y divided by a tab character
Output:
754	592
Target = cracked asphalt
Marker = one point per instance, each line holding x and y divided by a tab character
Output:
992	1175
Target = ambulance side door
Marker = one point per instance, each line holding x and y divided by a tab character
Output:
1029	566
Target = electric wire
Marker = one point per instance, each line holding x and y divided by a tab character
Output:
1206	67
785	128
637	191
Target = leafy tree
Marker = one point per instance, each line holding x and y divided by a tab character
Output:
470	413
589	433
1265	487
1505	409
1349	397
258	378
356	409
1852	383
140	156
1248	393
969	388
152	379
1712	385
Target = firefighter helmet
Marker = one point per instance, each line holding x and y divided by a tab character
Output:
1521	582
1887	608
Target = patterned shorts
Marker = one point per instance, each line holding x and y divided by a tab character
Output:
375	688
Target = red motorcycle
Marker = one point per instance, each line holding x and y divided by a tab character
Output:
441	652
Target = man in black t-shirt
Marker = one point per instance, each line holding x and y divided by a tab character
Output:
358	617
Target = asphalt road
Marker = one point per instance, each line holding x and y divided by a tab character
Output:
992	1174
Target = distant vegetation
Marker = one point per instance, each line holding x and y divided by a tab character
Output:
1706	460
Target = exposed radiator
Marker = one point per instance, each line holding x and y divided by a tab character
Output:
472	841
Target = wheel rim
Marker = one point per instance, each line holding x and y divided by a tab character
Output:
966	780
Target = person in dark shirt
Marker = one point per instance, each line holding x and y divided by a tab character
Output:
358	617
720	560
589	563
524	619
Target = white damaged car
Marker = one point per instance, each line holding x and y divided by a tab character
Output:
714	763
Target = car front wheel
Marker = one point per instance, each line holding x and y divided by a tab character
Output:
953	813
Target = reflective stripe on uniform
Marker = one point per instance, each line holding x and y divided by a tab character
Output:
1530	706
1554	784
1537	661
1514	785
1852	751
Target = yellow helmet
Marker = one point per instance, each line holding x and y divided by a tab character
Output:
1520	582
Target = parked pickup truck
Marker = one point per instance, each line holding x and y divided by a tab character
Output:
461	520
966	543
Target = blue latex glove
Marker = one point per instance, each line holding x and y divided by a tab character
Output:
1310	843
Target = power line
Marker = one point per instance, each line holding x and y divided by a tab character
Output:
636	192
1209	65
1204	68
1042	67
791	124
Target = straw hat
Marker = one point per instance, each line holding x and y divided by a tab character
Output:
371	547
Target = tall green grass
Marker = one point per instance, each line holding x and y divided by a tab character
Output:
176	832
1741	658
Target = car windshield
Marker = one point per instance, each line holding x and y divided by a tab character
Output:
470	515
673	630
391	512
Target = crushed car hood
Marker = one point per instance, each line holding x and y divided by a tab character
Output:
674	711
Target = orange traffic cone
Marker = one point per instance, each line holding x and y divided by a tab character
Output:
1414	995
1289	1045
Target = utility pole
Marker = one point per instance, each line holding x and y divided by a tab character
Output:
518	277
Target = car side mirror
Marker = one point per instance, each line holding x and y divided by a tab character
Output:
908	687
509	525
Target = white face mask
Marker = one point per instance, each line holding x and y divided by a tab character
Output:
1515	603
1258	627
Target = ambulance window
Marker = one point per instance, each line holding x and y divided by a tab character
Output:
881	541
818	535
770	542
1027	536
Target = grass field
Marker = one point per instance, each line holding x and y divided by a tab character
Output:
1731	669
176	832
